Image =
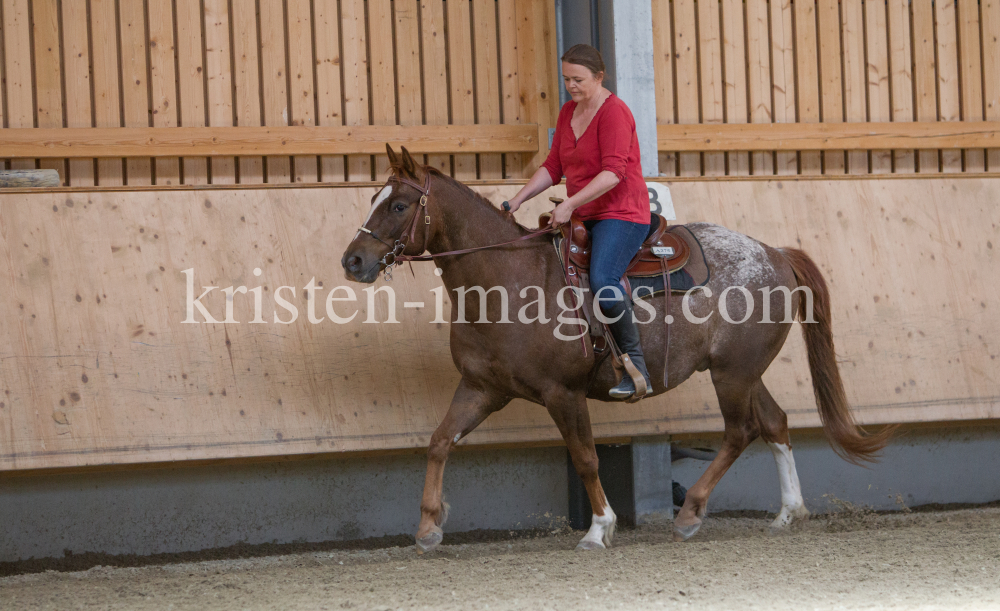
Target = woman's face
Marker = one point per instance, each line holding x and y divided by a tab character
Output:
581	83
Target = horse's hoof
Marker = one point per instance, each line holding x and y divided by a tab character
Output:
683	533
430	542
786	518
587	545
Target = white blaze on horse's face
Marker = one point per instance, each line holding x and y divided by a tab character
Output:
381	197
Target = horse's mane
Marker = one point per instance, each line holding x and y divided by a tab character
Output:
475	197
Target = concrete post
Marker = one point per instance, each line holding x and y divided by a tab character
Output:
652	484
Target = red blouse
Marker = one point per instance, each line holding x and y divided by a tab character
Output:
609	143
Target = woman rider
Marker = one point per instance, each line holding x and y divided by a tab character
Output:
596	148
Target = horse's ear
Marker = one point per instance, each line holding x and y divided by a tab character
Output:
393	158
408	163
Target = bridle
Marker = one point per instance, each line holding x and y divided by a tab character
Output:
395	255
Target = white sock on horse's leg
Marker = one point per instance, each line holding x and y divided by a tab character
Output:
792	505
602	530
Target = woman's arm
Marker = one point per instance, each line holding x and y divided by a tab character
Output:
541	181
601	184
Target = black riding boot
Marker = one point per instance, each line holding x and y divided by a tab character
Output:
626	335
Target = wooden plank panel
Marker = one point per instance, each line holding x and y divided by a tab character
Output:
48	74
949	100
163	82
355	67
191	81
971	65
831	84
407	16
686	67
925	78
17	56
900	76
759	77
807	71
76	59
460	63
853	36
162	142
783	77
323	375
300	79
877	52
246	76
382	73
991	65
711	79
107	93
509	79
487	78
328	91
435	72
538	77
219	70
274	81
135	83
663	77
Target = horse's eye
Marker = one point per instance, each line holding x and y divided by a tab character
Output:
399	208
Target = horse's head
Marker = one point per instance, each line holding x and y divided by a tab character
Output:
397	222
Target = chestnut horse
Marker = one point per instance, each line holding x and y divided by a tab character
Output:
419	209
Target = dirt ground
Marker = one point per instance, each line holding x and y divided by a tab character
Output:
854	560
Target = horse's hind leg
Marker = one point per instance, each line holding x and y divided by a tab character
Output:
741	428
570	413
774	430
469	407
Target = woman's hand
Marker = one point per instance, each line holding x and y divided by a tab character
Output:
512	205
561	214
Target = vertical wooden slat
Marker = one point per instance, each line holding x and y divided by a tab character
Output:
487	79
991	66
4	162
783	77
355	66
246	78
735	71
807	76
435	72
191	82
48	74
17	55
759	77
537	76
949	108
107	94
832	102
686	65
76	58
925	77
460	61
900	77
971	76
220	82
163	83
382	73
274	81
408	62
877	44
710	66
300	79
663	77
853	35
135	92
328	90
509	79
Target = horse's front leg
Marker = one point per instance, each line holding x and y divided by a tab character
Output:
469	407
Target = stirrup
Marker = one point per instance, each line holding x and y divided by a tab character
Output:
633	386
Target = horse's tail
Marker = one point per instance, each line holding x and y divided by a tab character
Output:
848	440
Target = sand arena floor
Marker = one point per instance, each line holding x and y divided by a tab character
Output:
857	560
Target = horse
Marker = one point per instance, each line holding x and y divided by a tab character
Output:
419	210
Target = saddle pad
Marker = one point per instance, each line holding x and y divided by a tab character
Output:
694	273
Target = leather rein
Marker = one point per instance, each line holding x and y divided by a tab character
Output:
395	255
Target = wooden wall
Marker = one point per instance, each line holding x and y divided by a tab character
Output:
249	63
97	368
730	62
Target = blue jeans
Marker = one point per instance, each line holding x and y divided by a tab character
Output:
613	244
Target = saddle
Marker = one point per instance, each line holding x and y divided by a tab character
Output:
661	254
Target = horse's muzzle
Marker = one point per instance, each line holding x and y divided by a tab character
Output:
357	269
